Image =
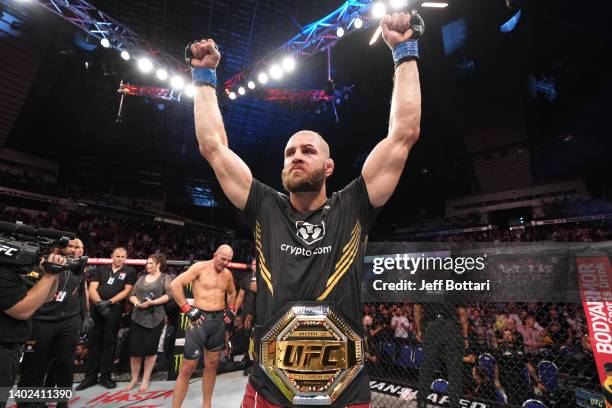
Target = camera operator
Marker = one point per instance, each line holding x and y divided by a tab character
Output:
55	331
109	287
18	304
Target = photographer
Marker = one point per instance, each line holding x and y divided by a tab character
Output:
109	287
18	304
55	330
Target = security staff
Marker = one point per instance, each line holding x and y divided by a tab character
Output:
109	287
55	331
18	304
442	338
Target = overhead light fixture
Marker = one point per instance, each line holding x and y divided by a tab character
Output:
125	55
358	23
145	65
105	42
434	4
398	4
241	90
162	74
262	78
340	32
379	9
288	64
177	82
190	90
232	95
276	71
251	85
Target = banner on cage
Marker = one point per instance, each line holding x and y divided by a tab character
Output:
409	393
595	280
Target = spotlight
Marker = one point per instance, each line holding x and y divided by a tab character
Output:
262	78
398	4
232	95
125	55
288	64
190	90
379	9
358	23
241	90
177	82
434	4
105	42
162	74
145	65
251	85
276	72
340	32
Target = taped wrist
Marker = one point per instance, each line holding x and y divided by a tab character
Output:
405	51
204	76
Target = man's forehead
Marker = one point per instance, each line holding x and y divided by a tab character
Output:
304	139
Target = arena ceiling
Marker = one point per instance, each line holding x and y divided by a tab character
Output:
65	111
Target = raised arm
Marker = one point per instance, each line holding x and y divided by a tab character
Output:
384	165
232	173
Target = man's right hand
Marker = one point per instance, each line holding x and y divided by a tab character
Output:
205	54
54	264
195	316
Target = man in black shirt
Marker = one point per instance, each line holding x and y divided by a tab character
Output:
109	286
246	296
511	360
308	244
18	304
445	324
55	331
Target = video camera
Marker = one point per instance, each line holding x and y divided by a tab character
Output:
21	247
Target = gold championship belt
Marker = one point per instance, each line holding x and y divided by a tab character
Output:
310	353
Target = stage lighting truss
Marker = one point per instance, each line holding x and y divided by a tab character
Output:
312	39
101	26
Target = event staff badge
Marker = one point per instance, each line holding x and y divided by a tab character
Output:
310	353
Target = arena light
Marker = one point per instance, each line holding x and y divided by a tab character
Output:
105	42
251	85
276	72
145	65
398	4
288	64
177	82
340	32
378	9
241	90
162	74
125	55
434	4
232	95
358	23
190	90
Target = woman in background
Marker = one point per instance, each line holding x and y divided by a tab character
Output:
148	296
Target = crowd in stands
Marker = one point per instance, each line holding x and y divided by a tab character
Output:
535	333
100	234
569	206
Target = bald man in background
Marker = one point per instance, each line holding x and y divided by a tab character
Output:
208	316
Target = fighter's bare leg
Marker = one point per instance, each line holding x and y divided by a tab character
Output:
211	362
182	382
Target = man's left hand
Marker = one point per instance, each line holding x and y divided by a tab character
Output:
229	316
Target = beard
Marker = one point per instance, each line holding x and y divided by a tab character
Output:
310	183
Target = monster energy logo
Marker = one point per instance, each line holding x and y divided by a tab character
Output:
184	321
178	362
